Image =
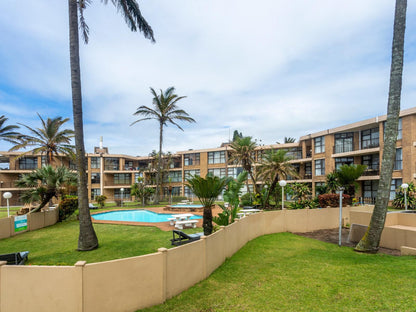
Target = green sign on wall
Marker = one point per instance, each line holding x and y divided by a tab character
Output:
20	223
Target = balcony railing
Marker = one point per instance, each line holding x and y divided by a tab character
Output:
371	172
349	148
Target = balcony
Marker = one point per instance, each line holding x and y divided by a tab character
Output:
371	172
348	150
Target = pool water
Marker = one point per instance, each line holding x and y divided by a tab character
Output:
135	216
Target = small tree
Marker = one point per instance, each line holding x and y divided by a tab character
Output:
207	190
347	176
332	184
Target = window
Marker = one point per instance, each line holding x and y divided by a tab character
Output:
343	161
28	163
234	172
320	167
138	176
219	172
95	177
294	153
344	142
43	161
95	162
320	188
319	145
371	161
173	176
216	157
190	173
128	165
191	159
370	189
370	138
308	170
122	178
188	192
118	194
176	191
111	163
395	184
296	168
398	163
94	193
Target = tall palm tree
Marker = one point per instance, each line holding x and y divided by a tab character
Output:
275	165
45	183
130	10
207	190
50	139
243	153
165	110
371	240
7	133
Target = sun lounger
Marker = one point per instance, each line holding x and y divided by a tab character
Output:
185	223
17	258
91	206
180	238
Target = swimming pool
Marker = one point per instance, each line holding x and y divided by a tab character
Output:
135	216
186	206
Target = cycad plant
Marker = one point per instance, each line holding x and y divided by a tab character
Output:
347	176
207	190
398	201
45	183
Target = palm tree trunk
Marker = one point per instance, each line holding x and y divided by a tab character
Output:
159	165
207	221
371	240
87	238
272	187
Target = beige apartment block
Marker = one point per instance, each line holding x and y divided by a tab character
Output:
313	156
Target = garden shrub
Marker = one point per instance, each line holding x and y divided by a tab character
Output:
246	199
100	199
305	203
332	200
118	202
177	199
67	207
398	201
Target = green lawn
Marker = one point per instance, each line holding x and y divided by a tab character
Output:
285	272
57	244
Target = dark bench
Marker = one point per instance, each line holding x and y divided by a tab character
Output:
17	258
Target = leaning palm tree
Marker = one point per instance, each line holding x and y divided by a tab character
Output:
7	133
50	139
165	110
371	240
130	10
243	153
275	165
207	190
44	184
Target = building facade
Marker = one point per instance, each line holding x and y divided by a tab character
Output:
313	156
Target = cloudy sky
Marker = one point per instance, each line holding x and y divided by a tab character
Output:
268	68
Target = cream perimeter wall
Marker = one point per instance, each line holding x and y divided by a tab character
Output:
134	283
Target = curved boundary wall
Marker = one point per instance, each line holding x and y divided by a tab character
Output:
133	283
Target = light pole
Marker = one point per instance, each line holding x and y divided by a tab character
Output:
283	183
7	195
122	195
404	187
265	194
341	190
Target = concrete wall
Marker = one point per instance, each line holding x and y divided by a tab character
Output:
134	283
35	221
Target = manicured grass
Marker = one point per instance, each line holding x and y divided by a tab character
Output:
285	272
57	244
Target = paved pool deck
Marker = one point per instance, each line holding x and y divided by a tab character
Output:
164	226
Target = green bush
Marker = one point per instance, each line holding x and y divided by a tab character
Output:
398	201
100	199
305	203
67	207
177	199
246	199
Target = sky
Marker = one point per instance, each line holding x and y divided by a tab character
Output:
269	69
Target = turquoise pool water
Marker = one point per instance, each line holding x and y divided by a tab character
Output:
135	216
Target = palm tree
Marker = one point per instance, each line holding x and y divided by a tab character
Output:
207	190
347	176
130	10
243	153
6	132
49	139
165	110
275	165
332	182
371	240
45	183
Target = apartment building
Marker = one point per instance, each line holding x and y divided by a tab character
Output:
313	156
